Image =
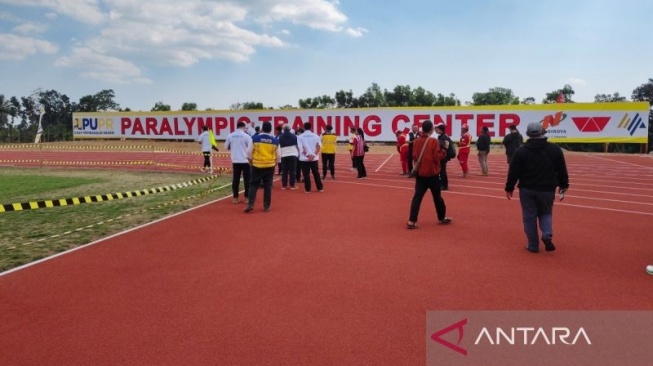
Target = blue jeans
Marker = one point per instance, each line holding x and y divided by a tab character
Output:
537	206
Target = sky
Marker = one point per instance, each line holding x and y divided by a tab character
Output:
217	53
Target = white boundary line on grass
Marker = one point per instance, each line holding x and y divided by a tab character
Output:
112	236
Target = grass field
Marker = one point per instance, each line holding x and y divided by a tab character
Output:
30	235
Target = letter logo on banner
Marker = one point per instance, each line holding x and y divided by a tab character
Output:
591	124
632	125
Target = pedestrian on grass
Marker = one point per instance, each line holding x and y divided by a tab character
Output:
238	143
428	153
539	167
205	141
263	155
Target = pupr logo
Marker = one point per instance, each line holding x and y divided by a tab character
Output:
632	124
437	336
591	124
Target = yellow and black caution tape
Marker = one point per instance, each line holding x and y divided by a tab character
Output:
35	205
108	221
20	146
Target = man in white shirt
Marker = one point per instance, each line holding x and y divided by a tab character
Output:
309	145
205	141
237	144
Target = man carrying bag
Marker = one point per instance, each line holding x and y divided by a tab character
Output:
427	154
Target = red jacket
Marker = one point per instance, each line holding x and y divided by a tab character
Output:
401	140
430	164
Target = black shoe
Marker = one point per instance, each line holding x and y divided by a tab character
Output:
444	188
446	221
248	209
532	250
548	245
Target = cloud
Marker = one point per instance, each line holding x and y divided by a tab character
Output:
173	33
30	28
13	47
575	81
99	66
86	11
356	32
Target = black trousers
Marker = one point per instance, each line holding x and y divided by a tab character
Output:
360	166
308	168
410	157
328	163
444	179
422	184
238	169
261	176
207	159
289	172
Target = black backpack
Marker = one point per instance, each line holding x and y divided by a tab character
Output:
451	151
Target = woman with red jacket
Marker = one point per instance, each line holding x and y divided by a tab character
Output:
464	147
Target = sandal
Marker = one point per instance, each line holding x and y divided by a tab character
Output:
412	225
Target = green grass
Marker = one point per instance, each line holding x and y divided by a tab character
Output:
36	185
21	231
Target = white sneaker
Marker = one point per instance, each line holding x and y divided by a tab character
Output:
649	269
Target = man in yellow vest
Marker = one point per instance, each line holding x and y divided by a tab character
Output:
263	155
329	152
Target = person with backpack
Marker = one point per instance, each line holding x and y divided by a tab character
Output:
448	145
512	142
483	147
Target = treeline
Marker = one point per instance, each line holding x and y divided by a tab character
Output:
19	116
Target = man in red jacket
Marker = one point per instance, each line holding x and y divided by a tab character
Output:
427	154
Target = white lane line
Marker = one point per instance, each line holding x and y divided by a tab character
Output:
504	197
382	164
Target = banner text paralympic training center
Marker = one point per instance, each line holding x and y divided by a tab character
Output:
568	122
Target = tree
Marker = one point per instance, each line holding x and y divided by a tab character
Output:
58	114
528	101
609	98
100	101
644	93
567	91
160	107
495	96
373	97
443	101
401	96
346	99
189	107
423	98
322	102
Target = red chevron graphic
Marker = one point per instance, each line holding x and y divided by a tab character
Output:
591	124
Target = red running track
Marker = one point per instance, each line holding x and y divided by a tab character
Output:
330	278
